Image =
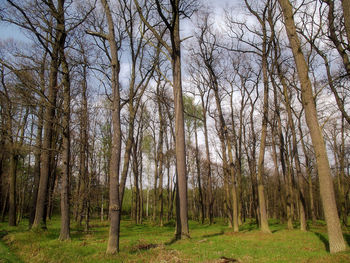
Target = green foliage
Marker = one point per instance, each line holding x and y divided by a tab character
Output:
149	243
147	144
126	208
193	113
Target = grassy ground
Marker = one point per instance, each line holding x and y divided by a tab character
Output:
148	243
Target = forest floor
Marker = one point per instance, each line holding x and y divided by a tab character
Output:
150	243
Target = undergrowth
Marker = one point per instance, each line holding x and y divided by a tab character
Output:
151	243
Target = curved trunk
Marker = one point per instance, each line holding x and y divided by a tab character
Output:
336	239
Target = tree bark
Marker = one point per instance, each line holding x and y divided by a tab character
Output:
49	118
294	153
264	225
346	14
160	158
336	239
208	161
338	43
12	184
38	143
180	148
201	201
114	167
65	213
182	230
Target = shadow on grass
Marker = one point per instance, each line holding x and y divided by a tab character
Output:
172	241
326	242
79	234
347	238
248	227
323	239
3	233
214	234
175	239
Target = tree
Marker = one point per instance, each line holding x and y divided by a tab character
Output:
193	120
28	21
13	149
335	36
210	55
336	239
171	21
262	48
114	166
66	151
295	153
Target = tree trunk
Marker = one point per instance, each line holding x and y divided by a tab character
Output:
114	202
336	239
208	162
135	169
49	202
141	188
12	184
333	33
344	215
264	225
38	145
202	213
82	191
251	159
234	187
49	118
84	150
295	154
277	188
180	149
182	230
114	167
155	195
65	213
346	14
160	159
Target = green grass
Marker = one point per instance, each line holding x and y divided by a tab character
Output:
149	243
5	254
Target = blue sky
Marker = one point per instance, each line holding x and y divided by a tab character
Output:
10	31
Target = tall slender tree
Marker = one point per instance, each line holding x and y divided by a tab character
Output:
336	239
170	16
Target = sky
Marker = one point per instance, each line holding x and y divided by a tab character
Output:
9	31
